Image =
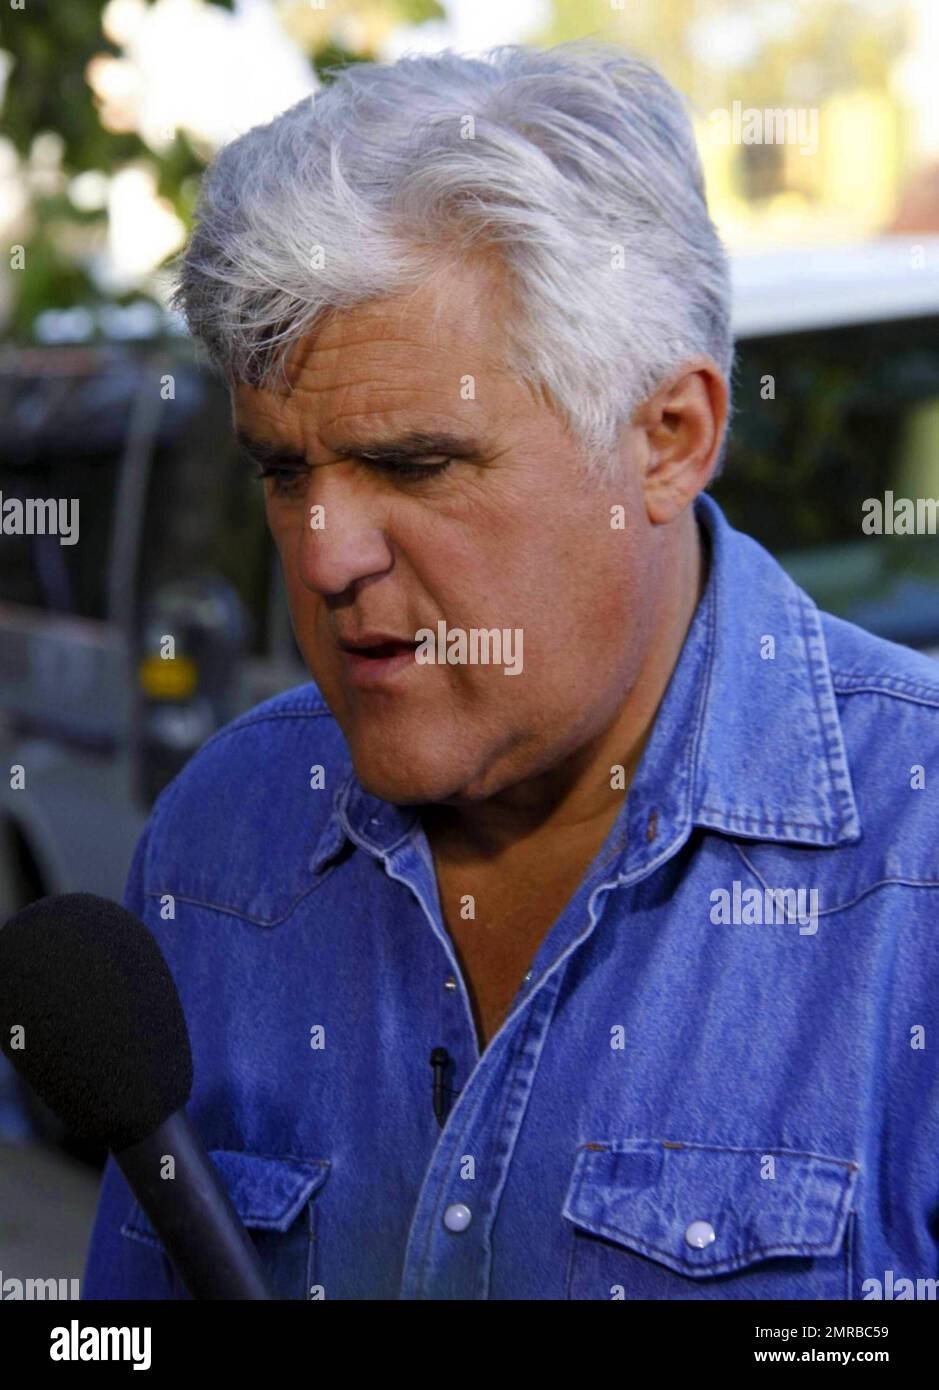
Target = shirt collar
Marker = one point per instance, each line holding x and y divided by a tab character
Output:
747	739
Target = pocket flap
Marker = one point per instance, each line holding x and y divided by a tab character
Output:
267	1192
705	1210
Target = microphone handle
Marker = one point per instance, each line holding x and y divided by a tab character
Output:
192	1213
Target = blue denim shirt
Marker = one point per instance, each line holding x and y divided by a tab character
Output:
690	1098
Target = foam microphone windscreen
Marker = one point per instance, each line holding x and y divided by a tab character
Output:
85	989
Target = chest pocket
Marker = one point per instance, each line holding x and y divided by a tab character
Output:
667	1220
274	1199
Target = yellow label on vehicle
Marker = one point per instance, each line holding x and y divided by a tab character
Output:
162	679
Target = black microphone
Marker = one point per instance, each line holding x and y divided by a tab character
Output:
107	1049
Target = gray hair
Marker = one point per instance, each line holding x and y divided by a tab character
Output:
577	165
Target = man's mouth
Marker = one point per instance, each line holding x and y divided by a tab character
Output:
375	659
379	650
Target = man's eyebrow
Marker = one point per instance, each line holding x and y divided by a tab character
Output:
410	444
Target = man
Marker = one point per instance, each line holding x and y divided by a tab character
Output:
573	935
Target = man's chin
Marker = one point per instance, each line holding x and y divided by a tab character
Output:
405	781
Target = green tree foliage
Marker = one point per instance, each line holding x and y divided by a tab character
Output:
49	44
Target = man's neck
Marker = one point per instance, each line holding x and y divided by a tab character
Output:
574	804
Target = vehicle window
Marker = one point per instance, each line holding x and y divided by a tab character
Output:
855	416
205	514
60	441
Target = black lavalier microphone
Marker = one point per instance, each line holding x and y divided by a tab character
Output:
107	1049
440	1059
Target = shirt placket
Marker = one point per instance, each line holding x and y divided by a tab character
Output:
450	1244
450	1247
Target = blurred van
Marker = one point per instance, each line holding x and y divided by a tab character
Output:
173	558
837	406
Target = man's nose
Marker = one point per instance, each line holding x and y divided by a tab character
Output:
342	539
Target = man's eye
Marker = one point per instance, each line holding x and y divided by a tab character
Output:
287	481
405	469
290	482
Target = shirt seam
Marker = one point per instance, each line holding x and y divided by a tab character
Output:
841	798
913	692
234	912
899	881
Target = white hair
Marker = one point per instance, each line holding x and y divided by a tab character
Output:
576	165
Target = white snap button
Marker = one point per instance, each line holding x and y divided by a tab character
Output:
457	1217
449	982
699	1234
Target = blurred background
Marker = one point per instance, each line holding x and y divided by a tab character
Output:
108	114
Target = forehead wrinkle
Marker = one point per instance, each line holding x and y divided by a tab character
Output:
419	421
424	385
353	430
323	368
378	385
371	398
250	405
378	415
463	331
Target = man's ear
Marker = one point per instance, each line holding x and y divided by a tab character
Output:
683	426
